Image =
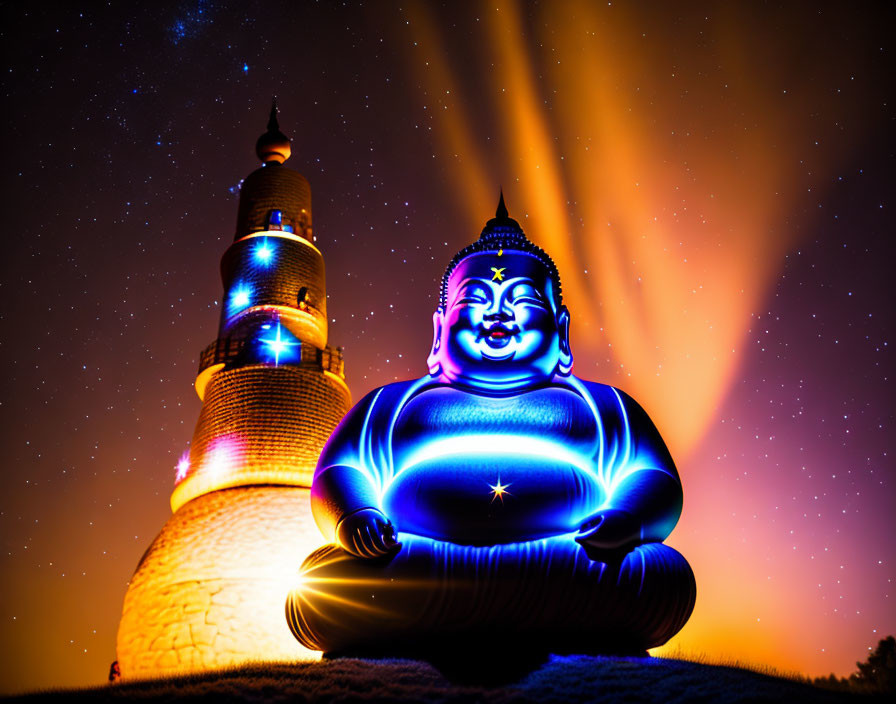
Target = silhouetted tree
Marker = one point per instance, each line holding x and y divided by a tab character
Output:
878	672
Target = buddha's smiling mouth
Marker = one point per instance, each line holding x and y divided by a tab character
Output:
498	336
495	341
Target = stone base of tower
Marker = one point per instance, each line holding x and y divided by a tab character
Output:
210	591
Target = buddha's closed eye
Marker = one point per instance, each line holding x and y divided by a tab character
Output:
526	293
473	294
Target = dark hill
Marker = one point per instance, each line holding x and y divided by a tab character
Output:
574	678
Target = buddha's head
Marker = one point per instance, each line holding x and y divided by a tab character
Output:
500	326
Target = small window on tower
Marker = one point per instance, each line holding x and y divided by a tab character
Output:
302	298
275	220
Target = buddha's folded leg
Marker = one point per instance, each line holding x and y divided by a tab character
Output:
343	602
548	590
643	600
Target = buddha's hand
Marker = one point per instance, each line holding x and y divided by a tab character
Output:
367	534
609	534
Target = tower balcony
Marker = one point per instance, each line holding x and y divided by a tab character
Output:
234	350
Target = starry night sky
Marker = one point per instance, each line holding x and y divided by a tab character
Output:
715	182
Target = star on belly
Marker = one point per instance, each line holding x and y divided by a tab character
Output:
499	490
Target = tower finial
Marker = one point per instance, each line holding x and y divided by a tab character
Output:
273	125
273	145
501	212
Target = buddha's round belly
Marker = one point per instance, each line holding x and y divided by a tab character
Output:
483	501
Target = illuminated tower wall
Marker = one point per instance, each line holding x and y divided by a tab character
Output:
209	592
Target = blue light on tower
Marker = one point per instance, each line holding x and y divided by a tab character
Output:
240	298
264	252
282	345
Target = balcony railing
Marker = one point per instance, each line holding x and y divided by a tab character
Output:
227	349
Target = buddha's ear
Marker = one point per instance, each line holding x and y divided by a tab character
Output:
564	367
433	362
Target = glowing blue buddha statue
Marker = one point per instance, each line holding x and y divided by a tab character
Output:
499	496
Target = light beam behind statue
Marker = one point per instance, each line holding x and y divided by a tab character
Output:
498	497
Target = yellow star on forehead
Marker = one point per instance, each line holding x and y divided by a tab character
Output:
498	490
499	273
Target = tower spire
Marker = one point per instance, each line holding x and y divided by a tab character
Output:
273	145
273	125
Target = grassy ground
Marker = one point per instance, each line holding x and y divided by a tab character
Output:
572	678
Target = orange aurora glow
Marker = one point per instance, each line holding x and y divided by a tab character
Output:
663	197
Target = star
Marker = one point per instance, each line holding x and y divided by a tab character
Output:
499	273
498	490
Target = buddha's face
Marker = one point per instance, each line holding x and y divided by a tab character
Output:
501	329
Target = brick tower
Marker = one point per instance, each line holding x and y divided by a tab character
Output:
209	592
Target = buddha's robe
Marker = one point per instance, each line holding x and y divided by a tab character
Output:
487	494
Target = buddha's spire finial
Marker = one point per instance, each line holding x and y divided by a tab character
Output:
502	224
501	212
273	145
